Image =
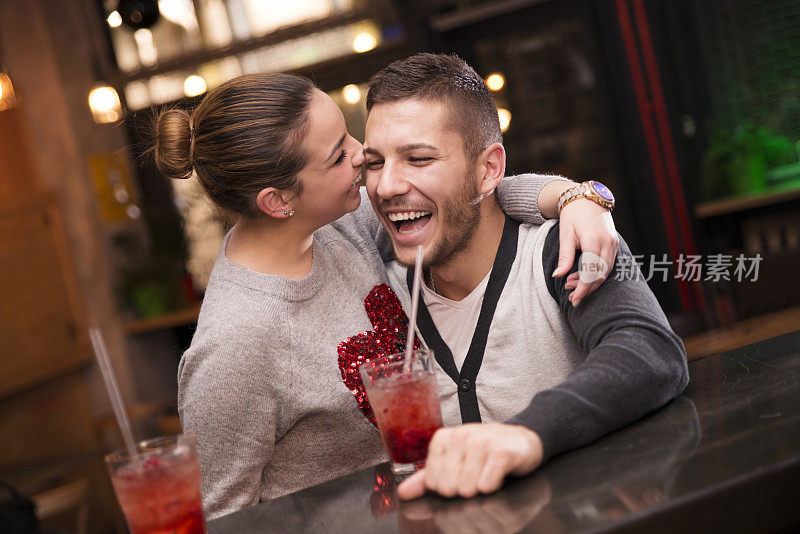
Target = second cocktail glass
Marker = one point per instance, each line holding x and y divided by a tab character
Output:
406	406
158	489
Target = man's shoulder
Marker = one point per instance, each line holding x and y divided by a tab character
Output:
539	248
541	240
541	230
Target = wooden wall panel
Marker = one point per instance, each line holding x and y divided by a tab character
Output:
17	176
41	335
48	422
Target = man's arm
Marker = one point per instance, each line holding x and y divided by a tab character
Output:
635	362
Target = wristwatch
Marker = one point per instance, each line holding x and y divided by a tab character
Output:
594	191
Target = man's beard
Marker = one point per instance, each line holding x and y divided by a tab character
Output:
460	218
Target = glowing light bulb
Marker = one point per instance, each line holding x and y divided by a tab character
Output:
364	42
103	98
7	99
495	81
505	118
351	94
105	105
114	19
194	85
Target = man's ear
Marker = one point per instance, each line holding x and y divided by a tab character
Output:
491	167
275	203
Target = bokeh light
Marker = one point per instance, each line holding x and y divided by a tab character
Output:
495	81
364	42
505	119
351	94
194	85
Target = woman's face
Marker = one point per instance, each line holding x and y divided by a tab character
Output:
331	180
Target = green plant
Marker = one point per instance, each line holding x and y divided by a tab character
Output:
152	287
736	161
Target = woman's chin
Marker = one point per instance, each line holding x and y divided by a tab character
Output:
349	205
353	199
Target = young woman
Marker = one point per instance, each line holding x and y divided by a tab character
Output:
260	385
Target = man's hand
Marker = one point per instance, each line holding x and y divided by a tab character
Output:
490	514
474	458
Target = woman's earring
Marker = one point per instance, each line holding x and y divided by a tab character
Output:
289	213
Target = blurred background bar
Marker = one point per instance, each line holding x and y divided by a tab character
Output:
689	110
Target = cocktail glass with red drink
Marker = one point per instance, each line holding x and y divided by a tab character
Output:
406	406
158	489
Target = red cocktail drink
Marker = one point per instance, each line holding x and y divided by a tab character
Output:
159	489
406	406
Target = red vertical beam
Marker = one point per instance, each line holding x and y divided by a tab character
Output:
664	130
651	139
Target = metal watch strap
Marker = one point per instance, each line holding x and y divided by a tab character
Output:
571	194
584	190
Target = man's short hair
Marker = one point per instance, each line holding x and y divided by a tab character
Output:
448	80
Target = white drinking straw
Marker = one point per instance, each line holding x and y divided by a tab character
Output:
100	352
412	321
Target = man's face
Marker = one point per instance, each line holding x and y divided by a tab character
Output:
419	180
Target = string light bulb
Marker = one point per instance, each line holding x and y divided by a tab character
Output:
505	118
194	85
7	96
495	81
114	19
104	104
351	94
364	42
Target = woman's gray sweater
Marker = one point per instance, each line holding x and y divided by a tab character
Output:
260	385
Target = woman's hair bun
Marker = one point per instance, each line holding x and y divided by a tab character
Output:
173	144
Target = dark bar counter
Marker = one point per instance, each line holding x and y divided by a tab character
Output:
723	457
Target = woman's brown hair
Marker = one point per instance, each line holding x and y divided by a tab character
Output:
244	136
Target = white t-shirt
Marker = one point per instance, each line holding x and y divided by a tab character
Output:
456	320
530	346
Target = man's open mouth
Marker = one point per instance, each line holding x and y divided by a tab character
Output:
409	222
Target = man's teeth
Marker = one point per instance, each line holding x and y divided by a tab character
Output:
407	216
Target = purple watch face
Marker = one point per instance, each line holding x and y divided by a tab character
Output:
603	191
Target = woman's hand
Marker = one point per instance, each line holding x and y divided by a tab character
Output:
588	227
584	226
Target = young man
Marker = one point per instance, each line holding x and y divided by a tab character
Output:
542	375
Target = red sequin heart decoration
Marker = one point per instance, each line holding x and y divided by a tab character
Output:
389	320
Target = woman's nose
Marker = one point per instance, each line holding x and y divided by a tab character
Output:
358	155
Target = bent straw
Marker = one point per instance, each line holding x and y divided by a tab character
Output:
100	352
412	321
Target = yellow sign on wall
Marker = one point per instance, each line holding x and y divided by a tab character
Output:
113	187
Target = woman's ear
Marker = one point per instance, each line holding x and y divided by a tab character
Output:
275	203
491	167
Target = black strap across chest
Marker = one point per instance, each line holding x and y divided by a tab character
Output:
465	380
